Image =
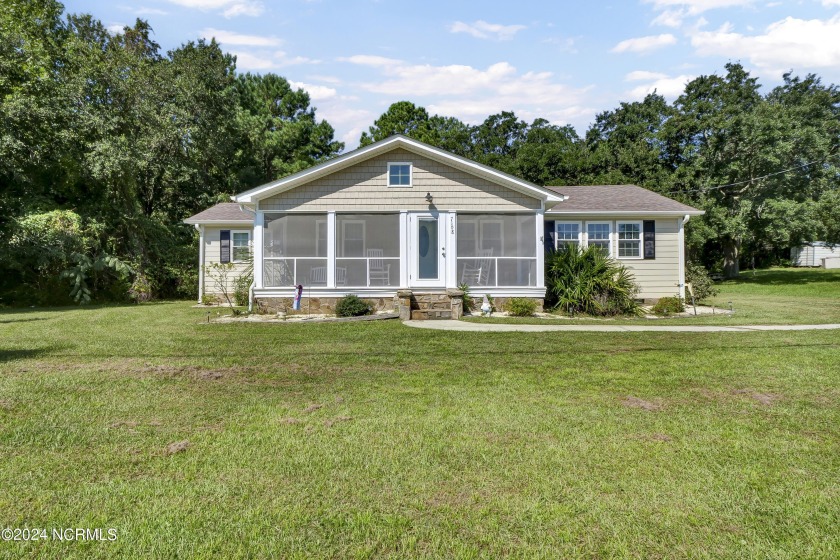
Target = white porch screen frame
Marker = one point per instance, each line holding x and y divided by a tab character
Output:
372	260
498	250
290	250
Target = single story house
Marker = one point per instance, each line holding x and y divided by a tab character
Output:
400	215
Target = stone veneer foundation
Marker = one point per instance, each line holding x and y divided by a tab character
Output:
317	306
409	304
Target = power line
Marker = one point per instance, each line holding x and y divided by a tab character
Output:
704	189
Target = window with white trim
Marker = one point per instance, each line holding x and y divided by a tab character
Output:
240	243
352	243
399	174
321	238
492	236
598	234
568	233
629	240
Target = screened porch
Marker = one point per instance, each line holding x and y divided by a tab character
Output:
370	251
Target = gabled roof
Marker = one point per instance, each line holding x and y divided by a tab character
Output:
618	199
223	213
390	143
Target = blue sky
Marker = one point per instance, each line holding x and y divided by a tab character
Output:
564	61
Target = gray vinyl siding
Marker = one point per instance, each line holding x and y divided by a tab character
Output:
212	250
364	186
656	278
659	277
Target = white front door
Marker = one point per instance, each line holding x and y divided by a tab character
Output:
426	250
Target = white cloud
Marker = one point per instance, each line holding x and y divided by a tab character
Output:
425	79
239	39
145	11
670	18
668	87
694	7
316	92
645	44
674	12
202	4
116	28
351	138
642	75
324	78
252	9
472	93
249	61
481	29
785	44
370	60
263	60
230	8
830	3
563	44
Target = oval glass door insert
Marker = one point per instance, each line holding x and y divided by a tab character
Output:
427	250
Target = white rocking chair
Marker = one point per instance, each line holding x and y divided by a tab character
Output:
378	272
478	273
318	276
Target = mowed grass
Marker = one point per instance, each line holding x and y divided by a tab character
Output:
765	297
374	440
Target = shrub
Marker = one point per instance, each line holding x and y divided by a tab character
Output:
521	307
352	306
82	275
467	299
588	281
701	282
38	248
220	275
141	288
208	299
668	305
241	288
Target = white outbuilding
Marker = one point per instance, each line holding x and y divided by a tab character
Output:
814	253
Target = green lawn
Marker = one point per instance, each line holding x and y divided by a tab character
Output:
766	297
377	440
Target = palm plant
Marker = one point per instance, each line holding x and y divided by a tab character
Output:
587	280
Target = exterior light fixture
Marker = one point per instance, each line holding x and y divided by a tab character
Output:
429	197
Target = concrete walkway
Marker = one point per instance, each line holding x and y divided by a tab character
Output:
466	326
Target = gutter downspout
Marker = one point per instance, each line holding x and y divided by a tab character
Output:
681	254
254	281
200	229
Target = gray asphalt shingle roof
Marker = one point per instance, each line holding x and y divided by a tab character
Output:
223	212
615	198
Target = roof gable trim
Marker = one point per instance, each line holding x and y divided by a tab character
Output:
383	146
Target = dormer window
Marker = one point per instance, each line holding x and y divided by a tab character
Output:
399	174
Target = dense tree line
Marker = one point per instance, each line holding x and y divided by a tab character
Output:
107	144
